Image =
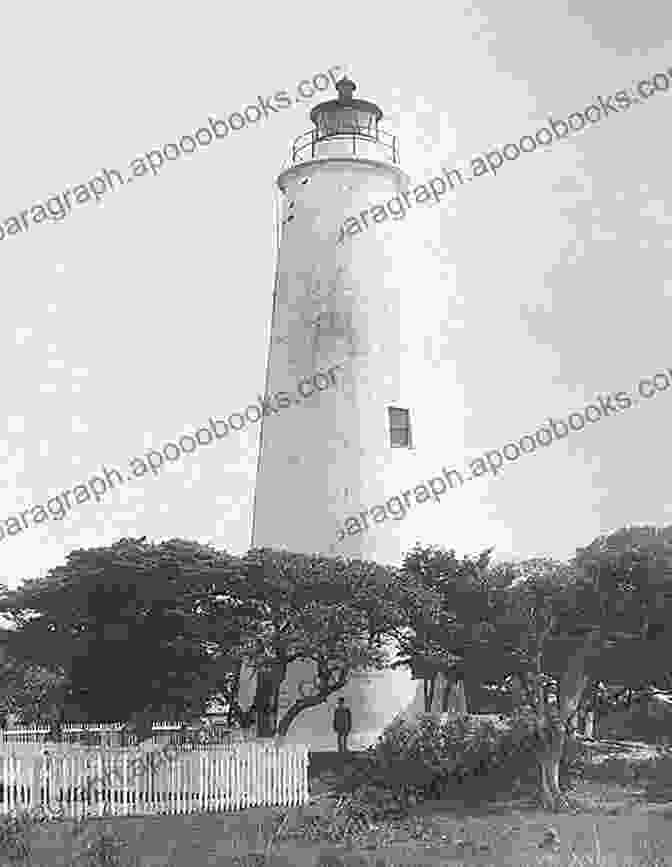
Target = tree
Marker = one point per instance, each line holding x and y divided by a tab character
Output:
333	612
500	622
135	608
564	627
505	621
554	629
535	618
180	620
446	603
630	572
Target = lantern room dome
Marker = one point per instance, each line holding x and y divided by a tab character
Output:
346	114
346	127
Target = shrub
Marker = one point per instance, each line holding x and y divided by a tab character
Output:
426	758
429	757
105	850
14	838
436	741
521	742
453	751
16	829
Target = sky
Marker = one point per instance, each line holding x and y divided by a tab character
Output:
137	318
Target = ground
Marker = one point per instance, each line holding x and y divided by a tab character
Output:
632	818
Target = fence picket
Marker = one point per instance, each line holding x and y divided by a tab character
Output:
125	781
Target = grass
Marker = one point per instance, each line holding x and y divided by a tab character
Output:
620	817
513	836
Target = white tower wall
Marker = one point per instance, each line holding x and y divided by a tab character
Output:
337	302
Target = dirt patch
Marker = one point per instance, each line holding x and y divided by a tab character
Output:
511	834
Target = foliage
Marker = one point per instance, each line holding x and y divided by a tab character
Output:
134	607
181	620
332	612
446	602
541	629
629	573
575	762
443	746
425	759
469	759
15	830
105	850
32	692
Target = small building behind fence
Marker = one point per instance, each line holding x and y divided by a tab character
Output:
118	735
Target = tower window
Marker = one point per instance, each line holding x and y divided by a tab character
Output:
400	427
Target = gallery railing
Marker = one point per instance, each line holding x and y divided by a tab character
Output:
313	145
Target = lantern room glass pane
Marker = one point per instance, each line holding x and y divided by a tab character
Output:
343	120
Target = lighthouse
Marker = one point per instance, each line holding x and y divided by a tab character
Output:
338	316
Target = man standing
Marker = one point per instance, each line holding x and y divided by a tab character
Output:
342	725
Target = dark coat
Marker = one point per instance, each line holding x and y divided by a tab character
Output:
342	719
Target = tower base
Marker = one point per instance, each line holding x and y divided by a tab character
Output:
375	698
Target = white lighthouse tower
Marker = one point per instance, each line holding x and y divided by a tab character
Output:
344	449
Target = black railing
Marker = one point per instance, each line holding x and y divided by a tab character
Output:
310	140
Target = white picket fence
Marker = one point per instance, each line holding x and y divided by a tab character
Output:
73	782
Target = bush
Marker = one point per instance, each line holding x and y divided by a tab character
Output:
465	758
431	750
105	850
521	742
16	829
426	758
15	838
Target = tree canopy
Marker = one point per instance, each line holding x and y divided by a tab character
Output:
160	628
124	625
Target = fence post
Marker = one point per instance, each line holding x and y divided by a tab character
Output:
46	780
35	799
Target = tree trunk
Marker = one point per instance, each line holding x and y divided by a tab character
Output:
266	698
552	723
589	727
453	693
297	708
590	709
550	781
141	725
429	686
232	692
301	704
548	760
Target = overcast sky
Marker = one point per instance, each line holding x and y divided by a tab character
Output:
133	321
